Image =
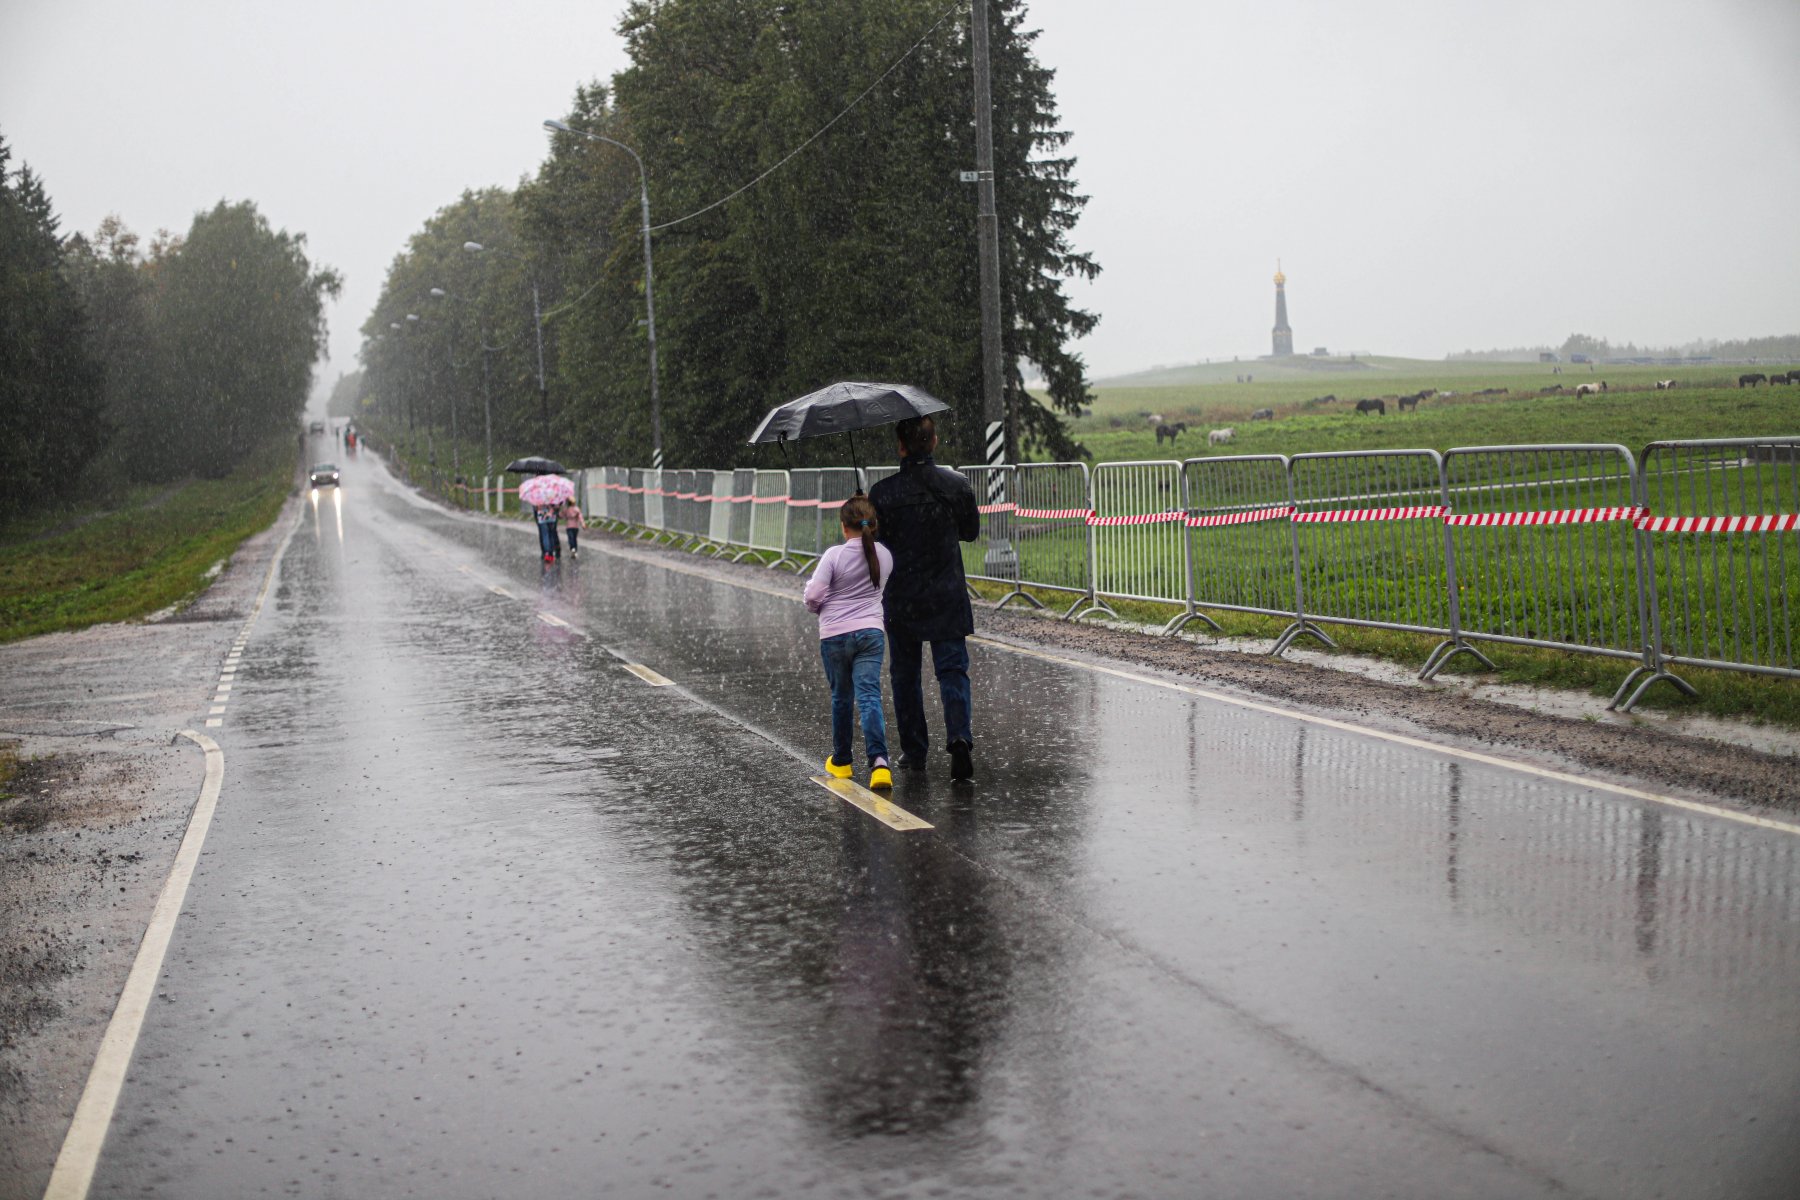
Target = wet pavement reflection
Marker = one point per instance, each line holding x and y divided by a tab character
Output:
483	913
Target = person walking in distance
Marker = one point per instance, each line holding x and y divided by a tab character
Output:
572	524
845	591
924	510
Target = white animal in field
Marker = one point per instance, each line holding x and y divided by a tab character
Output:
1219	437
1589	389
1155	420
1665	385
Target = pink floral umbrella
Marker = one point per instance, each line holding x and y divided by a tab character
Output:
546	491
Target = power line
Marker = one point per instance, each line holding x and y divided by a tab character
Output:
913	49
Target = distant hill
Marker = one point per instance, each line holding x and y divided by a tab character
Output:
1268	370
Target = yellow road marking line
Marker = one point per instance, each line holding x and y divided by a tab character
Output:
648	676
885	811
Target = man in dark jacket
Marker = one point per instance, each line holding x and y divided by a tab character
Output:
924	511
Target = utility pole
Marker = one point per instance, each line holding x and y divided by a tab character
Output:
1001	559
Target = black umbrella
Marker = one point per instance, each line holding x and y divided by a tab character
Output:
536	466
845	408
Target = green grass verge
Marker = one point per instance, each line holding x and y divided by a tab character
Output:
80	566
1760	699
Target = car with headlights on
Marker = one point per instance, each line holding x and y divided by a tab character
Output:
324	475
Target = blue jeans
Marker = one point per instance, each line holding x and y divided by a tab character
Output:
547	537
951	661
853	668
572	538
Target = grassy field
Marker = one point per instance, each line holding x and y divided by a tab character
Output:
76	566
1704	404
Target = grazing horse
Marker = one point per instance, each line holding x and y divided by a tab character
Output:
1411	401
1665	385
1374	406
1751	380
1553	389
1590	389
1219	437
1263	414
1170	431
1781	379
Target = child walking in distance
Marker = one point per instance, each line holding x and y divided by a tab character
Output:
572	523
845	591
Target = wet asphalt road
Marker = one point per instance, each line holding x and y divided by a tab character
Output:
482	913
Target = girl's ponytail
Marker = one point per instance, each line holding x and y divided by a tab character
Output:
859	514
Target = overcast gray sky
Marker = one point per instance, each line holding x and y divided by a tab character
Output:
1433	176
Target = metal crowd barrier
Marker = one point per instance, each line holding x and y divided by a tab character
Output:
1544	549
1241	538
993	556
802	543
1689	556
1140	538
741	512
1051	534
836	485
1369	542
656	496
769	514
1720	540
636	505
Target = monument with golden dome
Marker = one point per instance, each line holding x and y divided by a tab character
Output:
1284	337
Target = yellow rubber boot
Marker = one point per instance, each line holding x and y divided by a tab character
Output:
835	771
881	777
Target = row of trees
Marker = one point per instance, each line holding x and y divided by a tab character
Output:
854	259
1785	347
147	363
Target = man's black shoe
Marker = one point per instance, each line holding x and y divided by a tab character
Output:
962	766
910	762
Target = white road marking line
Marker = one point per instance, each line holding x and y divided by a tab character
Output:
465	568
499	591
873	803
647	675
1711	810
73	1174
80	1153
225	687
553	619
1403	740
215	710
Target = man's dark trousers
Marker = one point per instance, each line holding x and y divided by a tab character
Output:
950	659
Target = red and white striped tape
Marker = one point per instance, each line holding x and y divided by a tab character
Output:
1053	514
1136	519
769	499
1278	513
997	508
1765	523
793	503
1552	516
1334	515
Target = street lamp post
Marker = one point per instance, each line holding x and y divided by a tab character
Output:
450	356
656	446
430	412
537	323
